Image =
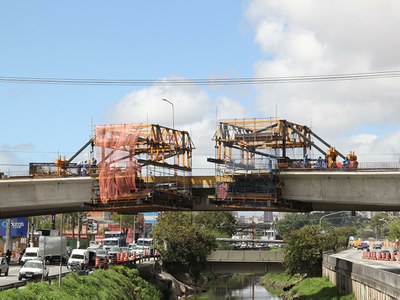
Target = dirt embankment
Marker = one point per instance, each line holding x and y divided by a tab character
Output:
178	285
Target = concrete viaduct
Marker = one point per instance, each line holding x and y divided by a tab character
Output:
319	190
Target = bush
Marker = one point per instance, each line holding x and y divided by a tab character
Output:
116	283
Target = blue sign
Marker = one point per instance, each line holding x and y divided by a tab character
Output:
19	227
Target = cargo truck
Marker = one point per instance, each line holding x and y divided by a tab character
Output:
54	248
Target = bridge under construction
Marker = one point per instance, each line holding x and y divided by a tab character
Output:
135	168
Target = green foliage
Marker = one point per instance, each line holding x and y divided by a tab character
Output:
315	288
304	247
337	238
303	251
394	230
118	283
380	223
222	223
126	220
293	221
180	239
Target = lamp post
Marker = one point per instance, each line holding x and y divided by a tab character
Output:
173	112
338	212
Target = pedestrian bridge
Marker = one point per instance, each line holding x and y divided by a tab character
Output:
310	190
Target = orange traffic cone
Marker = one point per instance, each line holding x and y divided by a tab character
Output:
97	263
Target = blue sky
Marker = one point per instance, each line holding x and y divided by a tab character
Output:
92	39
196	39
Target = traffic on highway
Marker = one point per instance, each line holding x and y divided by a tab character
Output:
34	265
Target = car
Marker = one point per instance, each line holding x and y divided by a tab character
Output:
112	253
114	250
377	245
34	269
363	246
102	254
4	266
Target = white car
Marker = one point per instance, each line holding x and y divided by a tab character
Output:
34	269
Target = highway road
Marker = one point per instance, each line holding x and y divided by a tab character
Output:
355	256
13	274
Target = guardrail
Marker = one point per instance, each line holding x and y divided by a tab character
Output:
362	166
18	284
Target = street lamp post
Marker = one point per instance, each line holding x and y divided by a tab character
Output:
338	212
173	112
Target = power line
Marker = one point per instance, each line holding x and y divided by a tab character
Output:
202	81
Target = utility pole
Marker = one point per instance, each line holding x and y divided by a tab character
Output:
8	235
61	249
78	242
134	230
32	233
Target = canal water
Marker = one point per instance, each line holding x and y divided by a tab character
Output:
234	288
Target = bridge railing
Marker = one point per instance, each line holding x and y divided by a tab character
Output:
362	166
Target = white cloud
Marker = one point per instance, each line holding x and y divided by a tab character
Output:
194	112
325	37
146	105
11	163
230	109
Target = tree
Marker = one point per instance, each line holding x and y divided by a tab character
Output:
222	223
294	221
337	238
394	230
379	222
303	252
181	240
125	220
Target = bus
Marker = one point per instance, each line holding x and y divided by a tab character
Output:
143	244
114	239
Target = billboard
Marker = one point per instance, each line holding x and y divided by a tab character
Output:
19	227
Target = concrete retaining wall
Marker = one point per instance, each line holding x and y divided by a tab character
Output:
364	281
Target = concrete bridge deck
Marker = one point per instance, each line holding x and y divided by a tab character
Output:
319	190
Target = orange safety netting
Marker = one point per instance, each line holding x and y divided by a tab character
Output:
119	170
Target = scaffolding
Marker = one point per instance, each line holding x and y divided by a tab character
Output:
142	165
249	154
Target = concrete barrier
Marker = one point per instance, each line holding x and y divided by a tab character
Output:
364	281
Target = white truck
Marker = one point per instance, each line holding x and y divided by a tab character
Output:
54	248
31	253
144	245
81	260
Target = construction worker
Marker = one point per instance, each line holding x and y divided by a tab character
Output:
346	163
319	163
79	168
93	165
305	160
84	167
270	165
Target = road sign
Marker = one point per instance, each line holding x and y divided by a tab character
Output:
92	226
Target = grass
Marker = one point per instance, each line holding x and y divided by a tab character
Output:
315	288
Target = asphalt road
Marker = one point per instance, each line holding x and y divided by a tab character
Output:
355	256
14	269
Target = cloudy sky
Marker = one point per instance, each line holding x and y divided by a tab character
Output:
162	40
